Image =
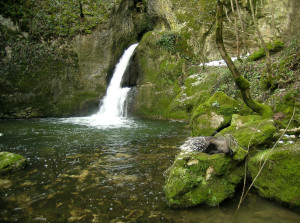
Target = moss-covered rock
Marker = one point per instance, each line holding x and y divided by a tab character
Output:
239	153
272	47
214	114
251	130
280	177
10	162
198	178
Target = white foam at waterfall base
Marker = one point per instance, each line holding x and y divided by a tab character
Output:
112	111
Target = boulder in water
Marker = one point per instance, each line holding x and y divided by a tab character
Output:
198	178
10	162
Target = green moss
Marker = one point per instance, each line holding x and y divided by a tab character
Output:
196	90
214	114
199	178
257	55
39	18
273	47
161	73
250	130
239	153
77	103
279	178
242	82
10	162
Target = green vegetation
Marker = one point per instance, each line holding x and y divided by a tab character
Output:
10	162
199	178
214	114
251	130
53	19
40	72
273	47
280	178
167	42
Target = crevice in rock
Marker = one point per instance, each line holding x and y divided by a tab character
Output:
130	77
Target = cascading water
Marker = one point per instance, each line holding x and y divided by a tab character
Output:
111	112
113	103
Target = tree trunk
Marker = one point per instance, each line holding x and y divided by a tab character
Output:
240	81
263	44
81	11
242	26
236	32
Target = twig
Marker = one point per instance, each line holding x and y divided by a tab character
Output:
245	173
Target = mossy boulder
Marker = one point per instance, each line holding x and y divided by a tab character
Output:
239	153
251	130
214	114
280	177
198	178
10	162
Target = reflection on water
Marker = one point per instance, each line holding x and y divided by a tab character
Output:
79	173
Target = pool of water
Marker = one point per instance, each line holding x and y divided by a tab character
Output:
80	172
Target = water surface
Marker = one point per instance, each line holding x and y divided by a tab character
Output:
84	173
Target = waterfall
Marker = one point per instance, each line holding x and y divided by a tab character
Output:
112	111
113	103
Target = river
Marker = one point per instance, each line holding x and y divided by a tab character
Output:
81	173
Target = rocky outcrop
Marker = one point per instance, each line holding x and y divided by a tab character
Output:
70	78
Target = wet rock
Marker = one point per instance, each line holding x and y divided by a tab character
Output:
280	177
5	184
122	155
134	215
198	178
82	176
10	162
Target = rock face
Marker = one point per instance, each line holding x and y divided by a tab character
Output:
10	162
279	178
65	78
198	178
